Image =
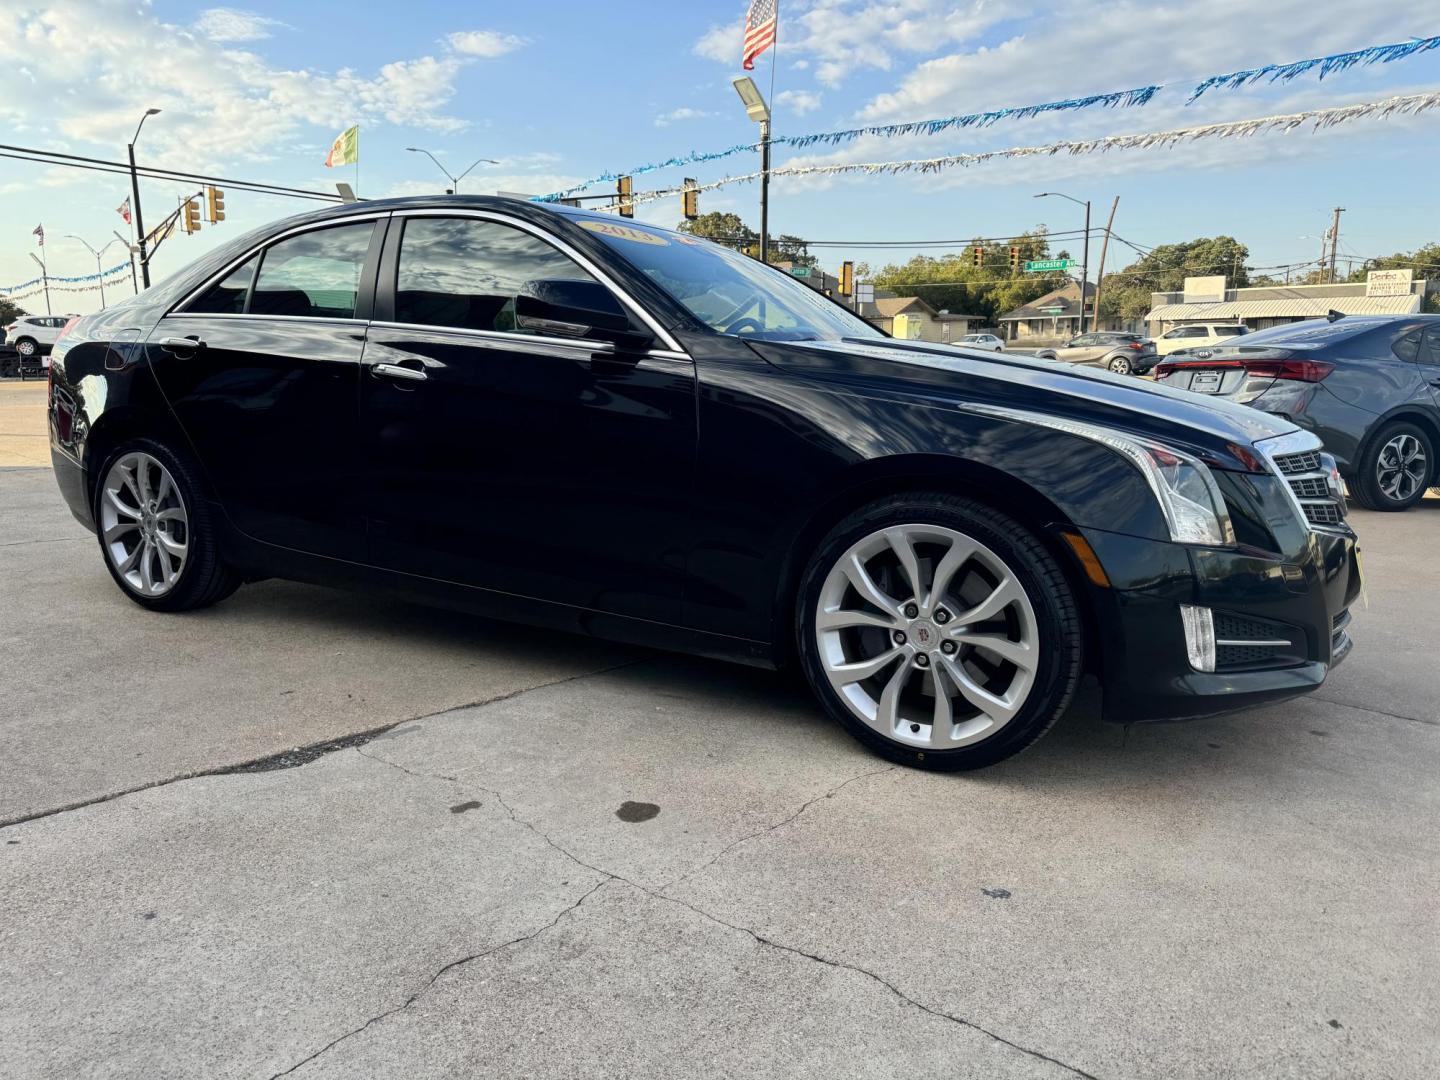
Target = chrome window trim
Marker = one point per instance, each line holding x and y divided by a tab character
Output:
266	318
250	253
586	345
564	247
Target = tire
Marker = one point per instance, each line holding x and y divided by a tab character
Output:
997	571
27	348
1120	365
1396	468
178	525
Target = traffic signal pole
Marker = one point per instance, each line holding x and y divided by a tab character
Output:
139	217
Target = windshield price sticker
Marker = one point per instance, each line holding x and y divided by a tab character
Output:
625	232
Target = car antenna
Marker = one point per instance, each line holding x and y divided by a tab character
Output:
1332	315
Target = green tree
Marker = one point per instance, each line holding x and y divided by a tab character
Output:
954	283
730	229
1125	294
10	311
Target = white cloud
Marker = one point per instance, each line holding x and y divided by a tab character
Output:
721	44
486	44
682	113
234	25
798	102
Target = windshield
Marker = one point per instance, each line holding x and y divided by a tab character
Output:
729	292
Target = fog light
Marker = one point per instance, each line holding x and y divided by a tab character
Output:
1199	636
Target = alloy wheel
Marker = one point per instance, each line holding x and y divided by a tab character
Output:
927	636
144	524
25	348
1401	467
1120	365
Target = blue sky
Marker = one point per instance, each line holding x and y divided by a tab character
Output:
562	91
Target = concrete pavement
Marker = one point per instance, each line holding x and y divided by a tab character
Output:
569	859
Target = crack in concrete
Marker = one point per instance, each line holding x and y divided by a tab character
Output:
1376	712
662	895
312	751
47	540
451	966
771	828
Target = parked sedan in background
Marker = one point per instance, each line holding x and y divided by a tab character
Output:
1368	386
982	341
1122	353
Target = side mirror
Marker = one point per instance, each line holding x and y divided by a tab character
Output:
566	308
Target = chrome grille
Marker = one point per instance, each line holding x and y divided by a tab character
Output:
1306	461
1298	459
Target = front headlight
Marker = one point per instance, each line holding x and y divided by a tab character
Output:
1188	496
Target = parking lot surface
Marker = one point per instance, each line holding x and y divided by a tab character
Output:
527	854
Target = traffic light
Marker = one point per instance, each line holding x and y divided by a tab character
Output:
1014	257
191	216
847	278
979	255
691	199
214	205
625	187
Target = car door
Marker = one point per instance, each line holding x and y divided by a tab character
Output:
261	366
1077	350
523	462
1427	360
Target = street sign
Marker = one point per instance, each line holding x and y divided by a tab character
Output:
864	293
1040	266
800	271
1053	310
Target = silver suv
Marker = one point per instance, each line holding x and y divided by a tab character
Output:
1122	353
32	335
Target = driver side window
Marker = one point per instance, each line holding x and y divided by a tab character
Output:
467	272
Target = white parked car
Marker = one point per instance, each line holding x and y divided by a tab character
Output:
1195	335
32	335
981	341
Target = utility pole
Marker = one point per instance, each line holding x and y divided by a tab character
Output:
1335	240
134	283
1100	273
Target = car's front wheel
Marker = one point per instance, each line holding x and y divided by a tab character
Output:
157	532
26	348
1396	469
938	631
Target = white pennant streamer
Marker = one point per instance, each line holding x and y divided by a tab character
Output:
1322	118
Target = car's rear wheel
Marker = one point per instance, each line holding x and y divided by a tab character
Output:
938	631
1120	365
1396	469
157	531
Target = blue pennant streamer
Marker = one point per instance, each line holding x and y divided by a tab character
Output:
68	280
1328	65
1119	99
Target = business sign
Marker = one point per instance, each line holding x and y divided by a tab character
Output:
1388	283
1040	266
1205	290
864	293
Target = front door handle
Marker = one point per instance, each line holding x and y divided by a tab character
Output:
398	371
181	344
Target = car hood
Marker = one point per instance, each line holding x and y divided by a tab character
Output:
1216	430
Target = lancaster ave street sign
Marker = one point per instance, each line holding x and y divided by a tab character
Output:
1039	266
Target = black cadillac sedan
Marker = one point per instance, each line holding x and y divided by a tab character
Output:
563	418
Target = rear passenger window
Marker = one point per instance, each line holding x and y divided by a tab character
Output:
466	272
315	275
1430	347
1407	347
227	297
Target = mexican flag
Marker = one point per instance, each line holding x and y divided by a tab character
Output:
346	148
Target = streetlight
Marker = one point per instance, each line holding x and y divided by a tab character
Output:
135	196
1085	257
757	110
99	273
44	279
454	180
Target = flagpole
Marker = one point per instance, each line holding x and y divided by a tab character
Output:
357	159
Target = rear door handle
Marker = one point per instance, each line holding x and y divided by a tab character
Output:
398	371
181	344
1435	382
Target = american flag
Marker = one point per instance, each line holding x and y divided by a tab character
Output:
124	210
39	231
759	30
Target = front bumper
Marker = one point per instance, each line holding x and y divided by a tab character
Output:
1146	672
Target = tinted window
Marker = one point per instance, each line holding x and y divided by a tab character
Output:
315	275
1430	347
1083	339
729	292
466	273
227	297
1229	331
1407	347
